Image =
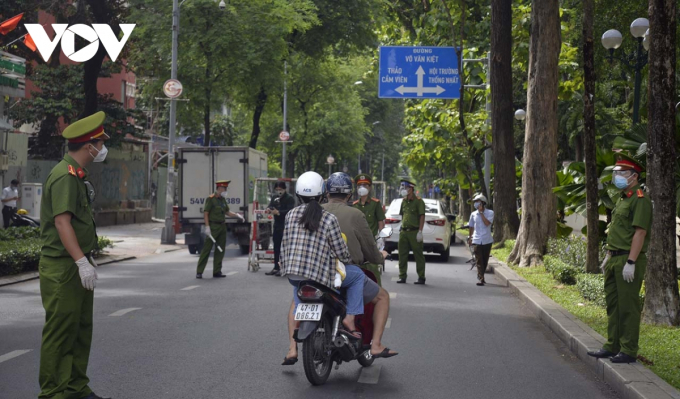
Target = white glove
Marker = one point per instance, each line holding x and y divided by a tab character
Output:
419	236
88	276
243	220
207	230
629	273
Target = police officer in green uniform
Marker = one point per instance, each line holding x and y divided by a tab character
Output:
67	270
214	212
371	207
411	235
625	264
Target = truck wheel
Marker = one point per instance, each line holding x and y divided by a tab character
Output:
245	249
192	249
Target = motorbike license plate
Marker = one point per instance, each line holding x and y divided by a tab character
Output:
308	311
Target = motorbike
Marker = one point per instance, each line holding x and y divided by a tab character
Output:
320	312
20	220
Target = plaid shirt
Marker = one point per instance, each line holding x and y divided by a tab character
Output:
308	254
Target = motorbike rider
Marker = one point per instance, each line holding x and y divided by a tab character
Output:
310	237
363	249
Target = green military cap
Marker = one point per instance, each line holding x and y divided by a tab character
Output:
408	182
222	183
625	162
363	179
86	129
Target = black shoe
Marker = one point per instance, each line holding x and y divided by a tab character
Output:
274	272
622	358
602	353
401	281
218	275
94	396
420	281
480	283
199	275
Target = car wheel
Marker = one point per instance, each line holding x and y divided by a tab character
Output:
444	255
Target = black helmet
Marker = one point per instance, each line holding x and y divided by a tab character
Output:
339	183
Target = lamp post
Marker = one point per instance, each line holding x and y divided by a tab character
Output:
330	161
520	114
612	39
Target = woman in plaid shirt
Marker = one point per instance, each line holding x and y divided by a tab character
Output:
311	241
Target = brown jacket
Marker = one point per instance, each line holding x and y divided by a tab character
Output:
360	240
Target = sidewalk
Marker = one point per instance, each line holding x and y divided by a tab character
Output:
130	241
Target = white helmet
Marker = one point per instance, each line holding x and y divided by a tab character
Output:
479	197
309	184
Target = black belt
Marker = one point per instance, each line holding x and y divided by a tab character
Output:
618	253
10	207
407	229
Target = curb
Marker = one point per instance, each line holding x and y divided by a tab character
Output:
20	278
631	381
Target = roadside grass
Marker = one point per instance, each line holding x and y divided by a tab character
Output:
659	346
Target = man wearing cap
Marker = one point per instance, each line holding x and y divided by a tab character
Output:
215	210
625	264
369	206
411	235
280	205
480	235
67	269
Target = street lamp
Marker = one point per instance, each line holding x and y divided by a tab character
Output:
612	39
330	161
520	114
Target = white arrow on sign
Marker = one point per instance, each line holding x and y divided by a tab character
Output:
419	89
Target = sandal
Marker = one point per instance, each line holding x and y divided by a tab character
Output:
385	354
355	334
289	361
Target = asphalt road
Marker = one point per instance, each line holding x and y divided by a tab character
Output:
160	333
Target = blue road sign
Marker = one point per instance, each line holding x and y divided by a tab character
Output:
418	72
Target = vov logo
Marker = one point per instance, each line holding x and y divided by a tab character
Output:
67	35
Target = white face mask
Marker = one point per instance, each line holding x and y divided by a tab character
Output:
404	192
362	191
101	154
224	194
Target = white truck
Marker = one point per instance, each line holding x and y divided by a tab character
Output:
199	169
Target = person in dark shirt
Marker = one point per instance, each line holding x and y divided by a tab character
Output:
280	205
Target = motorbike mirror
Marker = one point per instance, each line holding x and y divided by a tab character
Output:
386	232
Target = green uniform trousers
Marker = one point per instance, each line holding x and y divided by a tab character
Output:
219	233
624	306
408	243
375	269
67	335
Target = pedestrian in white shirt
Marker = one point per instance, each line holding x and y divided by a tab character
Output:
9	198
480	235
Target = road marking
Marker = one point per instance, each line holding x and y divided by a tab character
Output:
231	273
370	375
123	311
389	323
13	354
191	287
393	295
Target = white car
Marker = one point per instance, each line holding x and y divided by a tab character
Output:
437	232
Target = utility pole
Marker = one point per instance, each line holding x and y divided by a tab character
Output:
285	114
170	190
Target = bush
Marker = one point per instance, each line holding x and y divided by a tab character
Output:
561	271
19	233
571	250
102	244
19	256
591	287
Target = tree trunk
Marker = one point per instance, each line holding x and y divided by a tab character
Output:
208	98
464	209
579	144
540	143
259	109
662	301
589	136
506	222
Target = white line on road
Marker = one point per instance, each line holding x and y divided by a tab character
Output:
389	323
370	375
123	311
231	273
191	287
393	295
13	354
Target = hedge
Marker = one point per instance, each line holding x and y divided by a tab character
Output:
561	271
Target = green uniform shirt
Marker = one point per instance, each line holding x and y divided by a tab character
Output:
217	208
633	209
411	210
65	192
373	211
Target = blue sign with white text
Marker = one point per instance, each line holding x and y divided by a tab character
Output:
418	72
